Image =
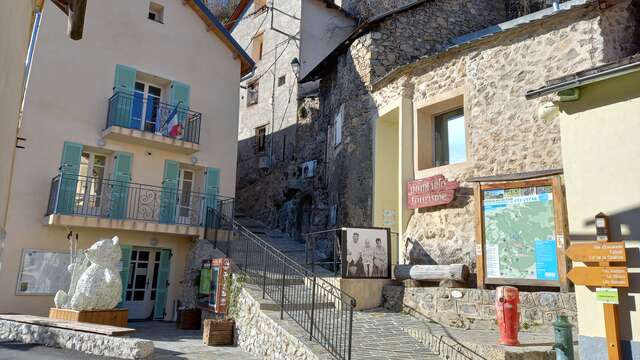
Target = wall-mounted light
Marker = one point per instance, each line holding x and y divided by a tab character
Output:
295	66
548	111
194	160
101	142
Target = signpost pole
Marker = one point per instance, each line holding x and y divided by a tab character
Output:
612	328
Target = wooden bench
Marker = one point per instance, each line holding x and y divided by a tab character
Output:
69	325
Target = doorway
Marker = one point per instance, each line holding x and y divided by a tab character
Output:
146	107
186	186
141	289
89	186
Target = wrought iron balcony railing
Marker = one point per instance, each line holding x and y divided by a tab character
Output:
104	198
149	114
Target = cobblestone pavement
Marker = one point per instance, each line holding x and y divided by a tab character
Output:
171	343
379	334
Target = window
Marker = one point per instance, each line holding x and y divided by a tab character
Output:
282	80
252	93
337	127
145	111
89	186
257	43
449	140
261	139
441	131
156	12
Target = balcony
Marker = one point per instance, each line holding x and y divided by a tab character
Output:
148	121
101	203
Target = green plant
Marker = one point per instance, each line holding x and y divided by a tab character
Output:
233	285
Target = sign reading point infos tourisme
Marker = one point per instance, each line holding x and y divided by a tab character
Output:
431	191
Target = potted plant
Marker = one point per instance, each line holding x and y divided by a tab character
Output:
219	332
190	316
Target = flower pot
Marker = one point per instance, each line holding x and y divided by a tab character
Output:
218	332
189	319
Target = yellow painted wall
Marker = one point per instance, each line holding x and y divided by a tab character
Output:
601	160
15	31
386	170
66	100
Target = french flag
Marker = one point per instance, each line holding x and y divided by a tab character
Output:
174	127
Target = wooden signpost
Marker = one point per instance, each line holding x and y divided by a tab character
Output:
603	253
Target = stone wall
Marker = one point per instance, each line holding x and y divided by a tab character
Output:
504	133
263	336
475	309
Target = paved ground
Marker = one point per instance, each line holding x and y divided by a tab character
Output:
171	343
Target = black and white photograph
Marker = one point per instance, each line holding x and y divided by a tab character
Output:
366	253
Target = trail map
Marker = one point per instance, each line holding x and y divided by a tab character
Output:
520	238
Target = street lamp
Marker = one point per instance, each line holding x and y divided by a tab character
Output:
295	66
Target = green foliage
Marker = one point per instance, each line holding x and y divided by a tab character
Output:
233	284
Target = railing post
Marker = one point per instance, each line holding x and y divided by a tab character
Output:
313	254
350	330
246	256
264	273
313	307
335	254
284	273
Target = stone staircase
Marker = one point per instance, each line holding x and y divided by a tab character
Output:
376	334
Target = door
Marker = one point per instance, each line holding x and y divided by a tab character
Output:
89	189
146	107
185	191
142	285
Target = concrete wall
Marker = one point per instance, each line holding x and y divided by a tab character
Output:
66	100
600	155
16	19
504	133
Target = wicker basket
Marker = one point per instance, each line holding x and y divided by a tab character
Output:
218	332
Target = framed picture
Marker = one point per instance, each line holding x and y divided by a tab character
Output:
365	253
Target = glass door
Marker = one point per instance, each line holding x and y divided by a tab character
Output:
146	107
184	202
89	187
143	281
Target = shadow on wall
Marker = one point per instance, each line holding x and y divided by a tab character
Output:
625	226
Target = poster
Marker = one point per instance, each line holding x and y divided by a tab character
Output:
43	272
519	233
366	253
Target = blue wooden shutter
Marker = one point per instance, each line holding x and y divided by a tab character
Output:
120	190
180	94
169	196
162	286
69	170
124	84
212	187
124	273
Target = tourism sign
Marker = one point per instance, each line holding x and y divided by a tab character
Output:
431	191
597	252
607	276
607	296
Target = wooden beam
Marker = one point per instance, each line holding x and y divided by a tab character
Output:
611	324
457	272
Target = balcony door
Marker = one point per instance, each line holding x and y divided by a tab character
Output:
185	203
146	107
89	188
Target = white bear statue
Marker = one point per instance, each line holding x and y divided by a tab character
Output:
99	286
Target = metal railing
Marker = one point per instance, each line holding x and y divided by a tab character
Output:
321	309
151	115
104	198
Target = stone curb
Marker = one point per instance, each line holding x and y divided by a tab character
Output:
95	344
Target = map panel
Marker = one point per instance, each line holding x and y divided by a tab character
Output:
519	227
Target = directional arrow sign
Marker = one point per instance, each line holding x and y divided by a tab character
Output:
606	276
597	252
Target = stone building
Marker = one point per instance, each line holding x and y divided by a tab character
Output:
280	155
382	87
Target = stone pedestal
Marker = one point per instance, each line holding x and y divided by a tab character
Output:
367	292
113	317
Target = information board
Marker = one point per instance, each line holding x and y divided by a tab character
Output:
520	233
43	272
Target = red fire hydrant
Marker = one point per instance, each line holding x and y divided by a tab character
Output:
507	314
